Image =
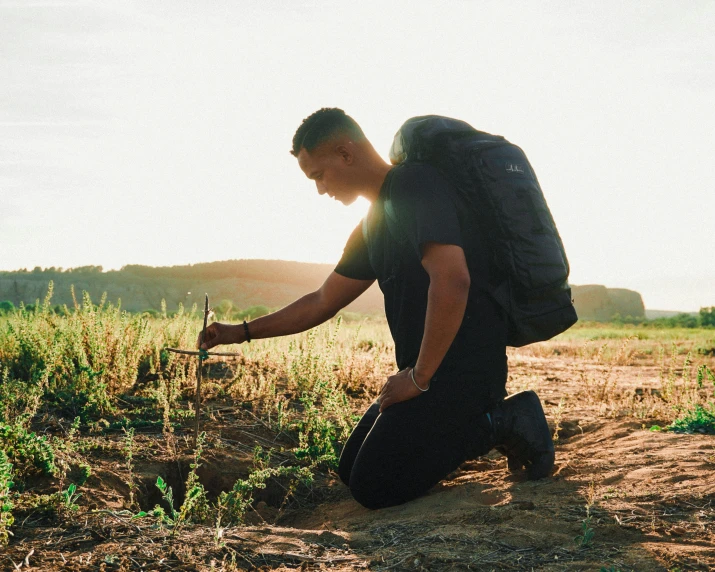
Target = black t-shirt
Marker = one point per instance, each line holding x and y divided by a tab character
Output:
416	205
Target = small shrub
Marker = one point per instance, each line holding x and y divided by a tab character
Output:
6	506
234	503
6	307
29	453
699	419
195	507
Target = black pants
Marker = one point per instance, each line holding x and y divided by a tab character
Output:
398	455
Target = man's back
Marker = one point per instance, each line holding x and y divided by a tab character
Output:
388	246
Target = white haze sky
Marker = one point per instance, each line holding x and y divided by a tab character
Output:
157	132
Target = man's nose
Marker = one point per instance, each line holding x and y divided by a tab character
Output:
321	189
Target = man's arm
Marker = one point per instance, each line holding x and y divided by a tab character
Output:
307	312
446	303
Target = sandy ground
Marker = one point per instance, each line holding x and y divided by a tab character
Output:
647	497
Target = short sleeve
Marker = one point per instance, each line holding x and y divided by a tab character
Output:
421	201
355	262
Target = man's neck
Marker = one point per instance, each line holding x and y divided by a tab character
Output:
375	175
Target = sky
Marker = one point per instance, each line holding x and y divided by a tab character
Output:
157	132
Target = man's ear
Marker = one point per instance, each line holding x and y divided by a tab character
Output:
346	153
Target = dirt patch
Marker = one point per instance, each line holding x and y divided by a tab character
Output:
648	497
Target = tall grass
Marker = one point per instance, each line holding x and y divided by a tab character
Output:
96	367
79	360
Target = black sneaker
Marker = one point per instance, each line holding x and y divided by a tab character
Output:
522	434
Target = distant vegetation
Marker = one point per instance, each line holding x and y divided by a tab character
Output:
247	289
703	319
241	284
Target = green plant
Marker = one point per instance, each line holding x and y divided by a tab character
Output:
71	439
694	417
68	498
325	424
128	450
85	473
77	362
218	529
29	453
19	401
234	503
704	372
168	496
587	533
195	507
699	419
6	505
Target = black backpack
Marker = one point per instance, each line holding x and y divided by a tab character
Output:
494	180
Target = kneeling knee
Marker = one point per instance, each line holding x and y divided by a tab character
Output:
372	498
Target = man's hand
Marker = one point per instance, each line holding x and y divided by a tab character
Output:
399	387
218	334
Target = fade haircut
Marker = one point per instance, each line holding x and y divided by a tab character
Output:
321	126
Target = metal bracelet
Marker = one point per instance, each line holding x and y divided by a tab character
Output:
412	377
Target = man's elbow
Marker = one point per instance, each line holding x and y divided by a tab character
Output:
457	282
462	280
324	306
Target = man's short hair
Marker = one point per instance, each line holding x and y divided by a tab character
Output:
321	126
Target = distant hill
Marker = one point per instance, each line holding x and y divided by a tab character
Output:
245	283
597	303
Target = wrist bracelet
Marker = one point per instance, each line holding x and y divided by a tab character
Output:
245	329
412	376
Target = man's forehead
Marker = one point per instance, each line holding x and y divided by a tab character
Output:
310	160
304	159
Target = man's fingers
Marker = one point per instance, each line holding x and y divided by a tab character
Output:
211	338
384	400
210	341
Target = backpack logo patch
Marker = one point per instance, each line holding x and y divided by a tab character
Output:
514	168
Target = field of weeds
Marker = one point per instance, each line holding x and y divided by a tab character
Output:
98	468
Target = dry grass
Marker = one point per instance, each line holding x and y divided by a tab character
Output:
302	393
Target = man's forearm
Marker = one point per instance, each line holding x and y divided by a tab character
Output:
446	303
301	315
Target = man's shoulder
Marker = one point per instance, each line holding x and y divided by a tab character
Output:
412	180
410	173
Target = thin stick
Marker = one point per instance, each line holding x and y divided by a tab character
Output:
198	374
196	353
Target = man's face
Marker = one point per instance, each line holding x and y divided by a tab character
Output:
330	167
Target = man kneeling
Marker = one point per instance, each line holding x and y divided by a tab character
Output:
446	404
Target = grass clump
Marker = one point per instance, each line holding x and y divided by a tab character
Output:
699	419
233	505
6	505
28	452
79	360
